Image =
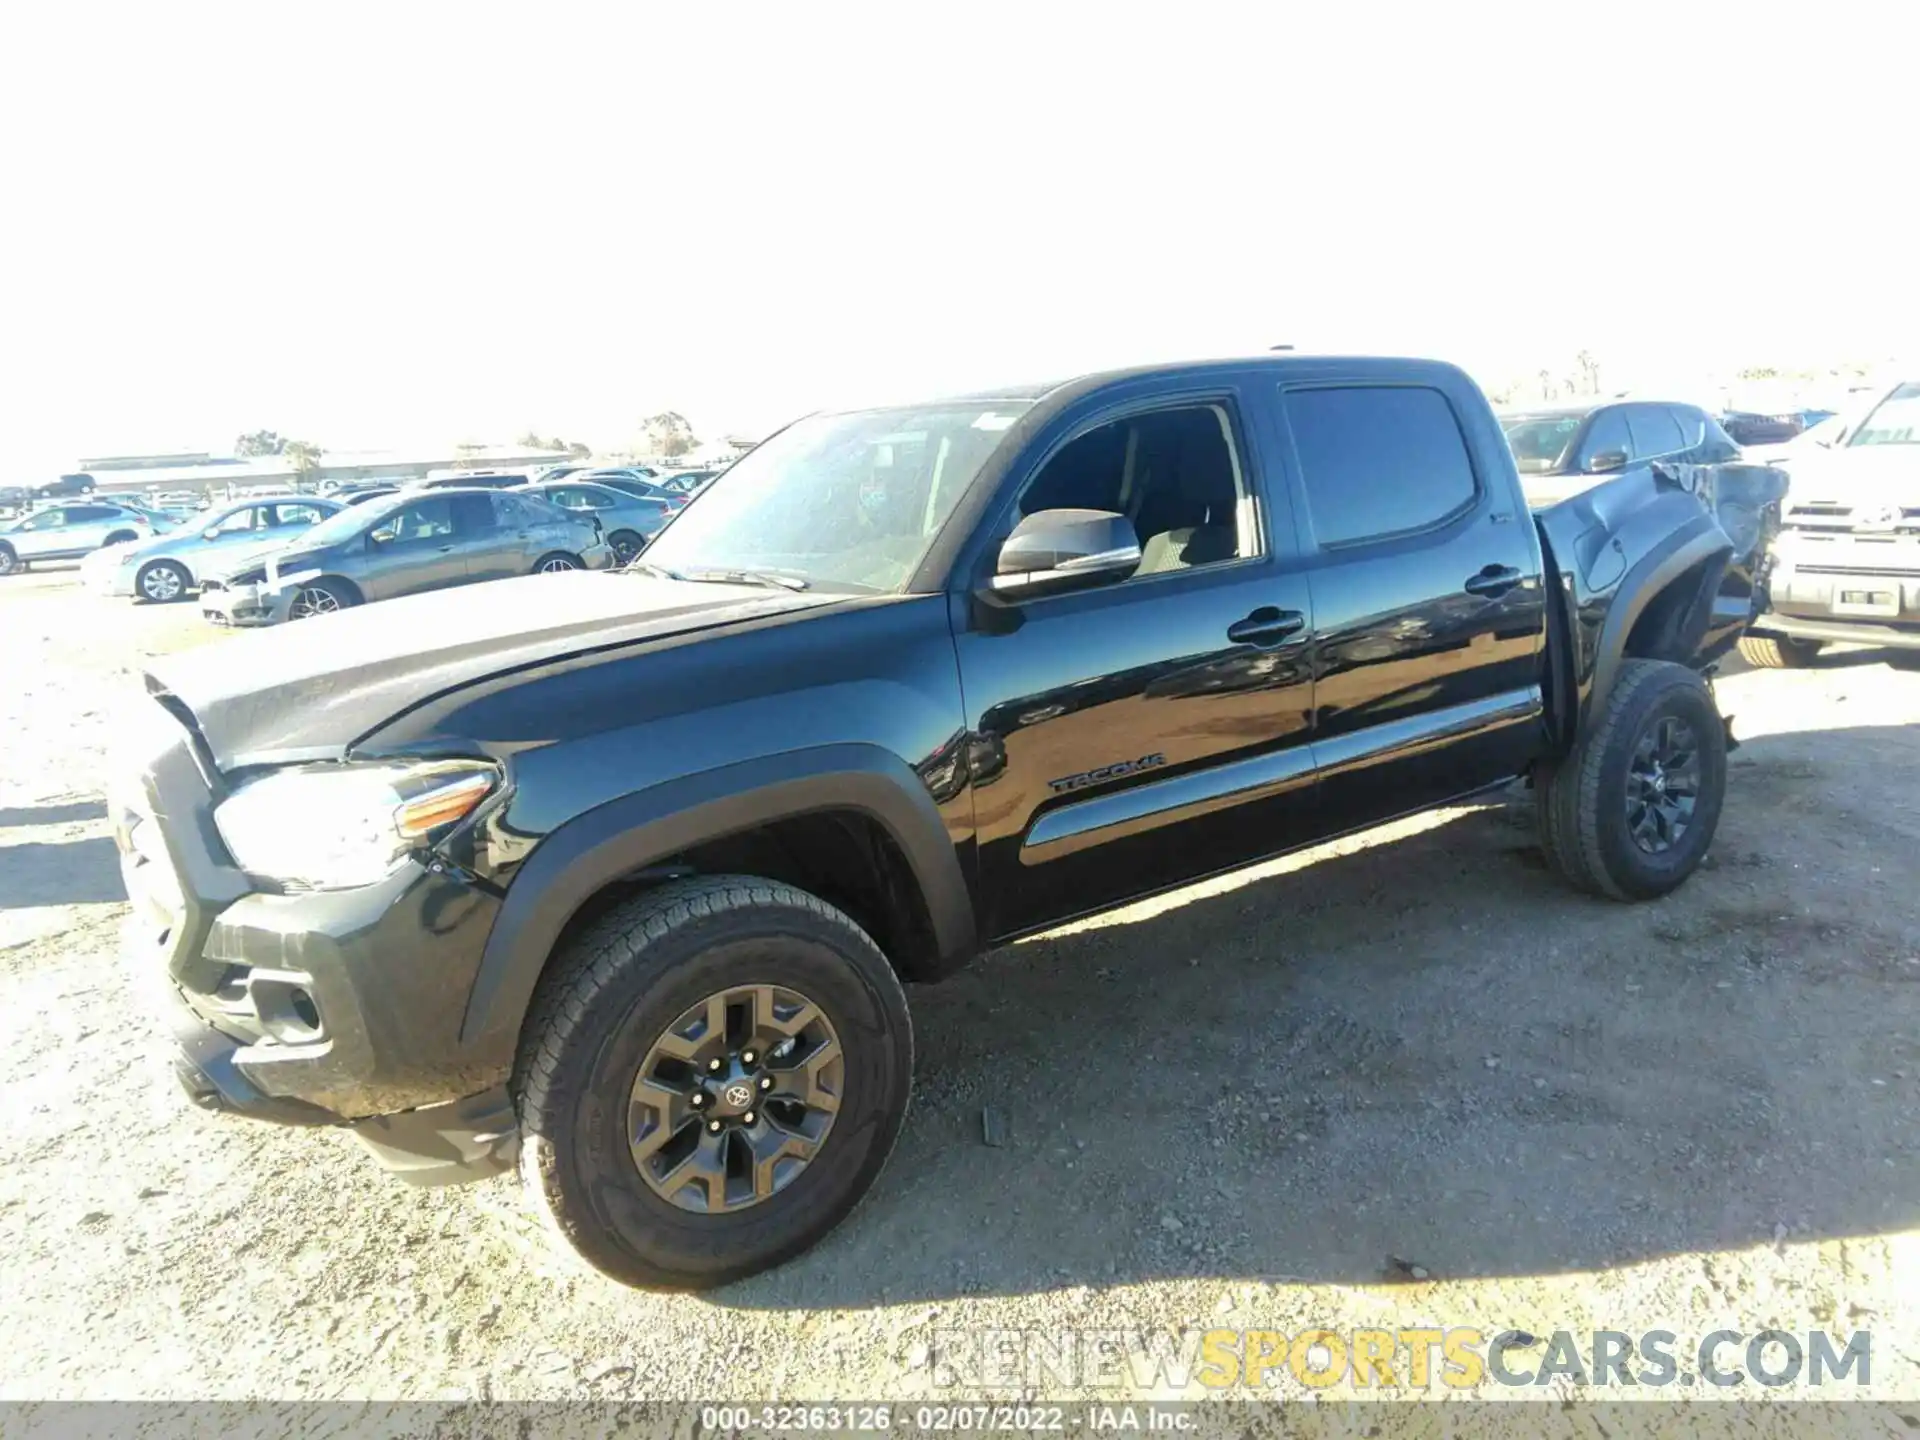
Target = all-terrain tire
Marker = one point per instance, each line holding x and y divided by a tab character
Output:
1777	652
607	998
1581	802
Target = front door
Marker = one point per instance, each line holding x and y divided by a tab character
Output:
1428	603
1139	734
414	549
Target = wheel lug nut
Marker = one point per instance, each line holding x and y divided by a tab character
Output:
713	1127
747	1119
698	1100
747	1057
715	1063
766	1082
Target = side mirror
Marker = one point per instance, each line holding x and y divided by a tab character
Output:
1607	462
209	534
1056	550
377	538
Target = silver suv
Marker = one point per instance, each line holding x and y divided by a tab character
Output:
67	532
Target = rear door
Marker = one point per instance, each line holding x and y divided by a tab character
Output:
491	549
1429	616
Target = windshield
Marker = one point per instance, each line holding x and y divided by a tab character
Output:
347	523
848	501
1539	441
1894	421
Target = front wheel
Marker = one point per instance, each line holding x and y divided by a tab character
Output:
1777	652
711	1078
10	563
625	545
1631	811
321	597
162	582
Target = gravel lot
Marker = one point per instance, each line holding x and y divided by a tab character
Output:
1228	1107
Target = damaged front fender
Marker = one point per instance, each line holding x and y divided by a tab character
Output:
1661	562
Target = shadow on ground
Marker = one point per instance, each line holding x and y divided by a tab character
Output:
72	872
53	814
1428	1049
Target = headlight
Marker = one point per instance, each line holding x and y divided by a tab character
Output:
332	827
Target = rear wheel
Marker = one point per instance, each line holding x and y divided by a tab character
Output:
625	545
1777	652
321	597
162	581
558	561
10	563
1631	811
711	1078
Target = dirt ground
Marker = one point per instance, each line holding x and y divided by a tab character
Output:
1405	1080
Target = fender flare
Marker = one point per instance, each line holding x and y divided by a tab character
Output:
631	832
1648	577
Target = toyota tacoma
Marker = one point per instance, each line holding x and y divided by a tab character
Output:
620	874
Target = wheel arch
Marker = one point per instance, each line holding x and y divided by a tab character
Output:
823	805
1661	607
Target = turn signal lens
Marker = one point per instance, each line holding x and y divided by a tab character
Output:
444	804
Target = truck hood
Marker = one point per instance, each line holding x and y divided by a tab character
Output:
1858	475
310	689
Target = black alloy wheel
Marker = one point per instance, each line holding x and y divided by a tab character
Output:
1663	784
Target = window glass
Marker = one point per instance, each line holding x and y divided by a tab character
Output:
1654	432
1894	421
1378	460
298	515
1540	442
417	523
87	514
473	514
569	497
1609	433
249	517
1173	473
46	520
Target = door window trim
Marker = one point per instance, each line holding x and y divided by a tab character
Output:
1250	510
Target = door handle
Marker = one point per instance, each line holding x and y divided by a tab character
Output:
1268	625
1493	581
446	549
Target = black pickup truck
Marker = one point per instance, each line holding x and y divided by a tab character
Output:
621	873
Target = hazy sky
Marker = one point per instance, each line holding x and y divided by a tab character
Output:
412	222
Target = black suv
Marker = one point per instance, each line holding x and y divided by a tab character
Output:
622	872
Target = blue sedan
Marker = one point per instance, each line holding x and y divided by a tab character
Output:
167	566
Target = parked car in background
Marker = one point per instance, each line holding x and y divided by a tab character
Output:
68	532
1750	428
185	501
360	496
1846	564
471	480
629	521
167	566
1561	450
66	486
685	482
401	545
608	473
14	498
